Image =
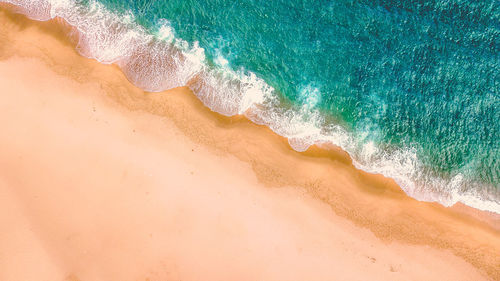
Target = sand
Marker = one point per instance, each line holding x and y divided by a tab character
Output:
101	181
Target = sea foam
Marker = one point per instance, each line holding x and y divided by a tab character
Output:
158	60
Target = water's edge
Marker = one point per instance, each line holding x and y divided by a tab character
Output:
159	61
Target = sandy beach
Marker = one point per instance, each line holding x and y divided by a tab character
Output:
100	180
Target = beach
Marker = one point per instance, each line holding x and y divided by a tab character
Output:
100	180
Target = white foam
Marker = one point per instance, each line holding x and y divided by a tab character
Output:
35	9
310	96
158	61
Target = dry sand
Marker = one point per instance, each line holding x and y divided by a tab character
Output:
101	181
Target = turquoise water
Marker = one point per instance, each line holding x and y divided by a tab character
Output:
410	89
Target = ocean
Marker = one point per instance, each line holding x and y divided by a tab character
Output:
410	89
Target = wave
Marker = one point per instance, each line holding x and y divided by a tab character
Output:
157	60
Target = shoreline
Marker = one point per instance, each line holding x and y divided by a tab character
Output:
149	77
351	193
110	38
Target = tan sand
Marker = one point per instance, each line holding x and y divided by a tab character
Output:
101	181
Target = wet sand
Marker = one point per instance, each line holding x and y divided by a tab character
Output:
102	181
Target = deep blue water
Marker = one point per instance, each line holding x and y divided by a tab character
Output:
399	76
